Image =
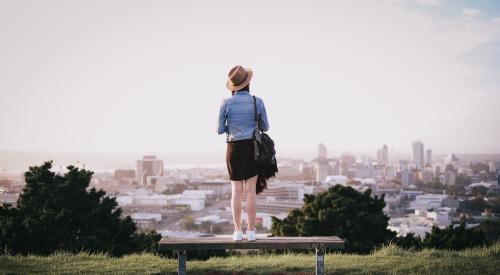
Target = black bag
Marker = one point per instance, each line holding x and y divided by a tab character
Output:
264	155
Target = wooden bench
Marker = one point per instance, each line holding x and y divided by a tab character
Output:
181	245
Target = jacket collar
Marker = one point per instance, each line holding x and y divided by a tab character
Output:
242	93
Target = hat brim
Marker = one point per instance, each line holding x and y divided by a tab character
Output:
245	82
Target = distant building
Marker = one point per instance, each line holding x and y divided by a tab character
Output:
347	161
427	201
363	171
146	220
287	191
403	165
194	200
278	207
124	174
148	166
407	178
383	155
9	198
221	187
389	172
214	219
448	178
336	179
404	173
321	169
437	172
418	154
322	151
307	171
428	156
422	221
451	159
492	166
427	175
6	183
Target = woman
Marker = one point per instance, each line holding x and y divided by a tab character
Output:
237	120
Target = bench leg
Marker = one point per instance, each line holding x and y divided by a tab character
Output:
182	262
320	261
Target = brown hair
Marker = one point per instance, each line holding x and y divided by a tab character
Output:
246	88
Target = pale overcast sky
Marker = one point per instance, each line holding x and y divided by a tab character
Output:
149	76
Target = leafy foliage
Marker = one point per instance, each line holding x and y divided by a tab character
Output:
58	213
341	211
454	238
410	241
491	230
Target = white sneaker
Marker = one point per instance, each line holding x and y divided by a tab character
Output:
251	236
237	235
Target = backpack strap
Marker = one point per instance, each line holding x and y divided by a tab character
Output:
255	112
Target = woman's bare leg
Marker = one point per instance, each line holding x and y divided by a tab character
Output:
251	208
236	188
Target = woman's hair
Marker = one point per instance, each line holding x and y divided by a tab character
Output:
246	88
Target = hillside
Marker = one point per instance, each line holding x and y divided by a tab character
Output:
388	260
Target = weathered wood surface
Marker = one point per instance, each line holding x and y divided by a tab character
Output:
220	243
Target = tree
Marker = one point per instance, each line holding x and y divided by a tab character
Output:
495	204
59	213
408	241
341	211
477	204
491	229
479	191
455	238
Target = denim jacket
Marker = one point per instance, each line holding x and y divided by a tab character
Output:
236	116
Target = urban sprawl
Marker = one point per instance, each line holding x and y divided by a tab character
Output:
420	192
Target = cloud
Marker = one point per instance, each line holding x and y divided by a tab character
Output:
469	12
484	55
428	2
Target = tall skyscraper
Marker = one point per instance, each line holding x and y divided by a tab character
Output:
418	154
322	151
383	155
492	166
148	166
428	156
321	169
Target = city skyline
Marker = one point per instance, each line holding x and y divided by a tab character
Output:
351	75
18	161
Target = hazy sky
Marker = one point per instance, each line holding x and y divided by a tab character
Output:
149	76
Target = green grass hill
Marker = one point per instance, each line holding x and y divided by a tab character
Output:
387	260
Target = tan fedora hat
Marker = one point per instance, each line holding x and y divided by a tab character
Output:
239	77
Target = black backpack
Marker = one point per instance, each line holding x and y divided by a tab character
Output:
264	155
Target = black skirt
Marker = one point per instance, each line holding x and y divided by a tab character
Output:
240	159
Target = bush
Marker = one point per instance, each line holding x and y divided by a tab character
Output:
341	211
59	213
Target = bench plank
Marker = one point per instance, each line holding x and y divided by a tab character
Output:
220	243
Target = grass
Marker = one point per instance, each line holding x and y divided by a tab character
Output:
387	260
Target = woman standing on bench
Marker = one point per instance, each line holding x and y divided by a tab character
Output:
237	120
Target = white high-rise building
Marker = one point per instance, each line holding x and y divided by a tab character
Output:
321	170
428	156
322	151
492	165
448	178
148	166
418	154
383	155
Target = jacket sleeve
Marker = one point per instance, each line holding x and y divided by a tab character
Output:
221	123
264	123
